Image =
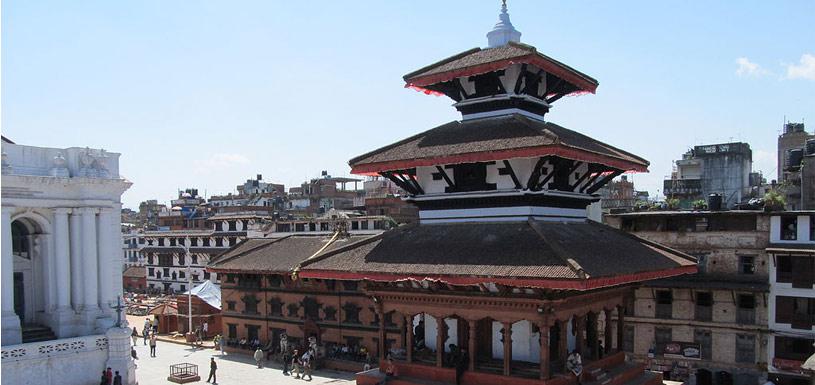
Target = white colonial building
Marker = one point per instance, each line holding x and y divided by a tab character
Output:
61	266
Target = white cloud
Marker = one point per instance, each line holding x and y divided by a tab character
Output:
805	69
748	68
219	162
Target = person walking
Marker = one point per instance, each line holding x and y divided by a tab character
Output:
104	380
145	333
134	335
109	376
221	343
205	330
153	345
306	362
117	379
259	358
295	364
212	368
286	356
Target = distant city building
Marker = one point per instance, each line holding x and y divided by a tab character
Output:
188	211
319	195
253	193
792	296
62	266
149	212
796	166
620	195
723	169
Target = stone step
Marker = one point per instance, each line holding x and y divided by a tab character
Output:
37	333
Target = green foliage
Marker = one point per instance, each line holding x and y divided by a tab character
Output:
672	203
774	200
699	204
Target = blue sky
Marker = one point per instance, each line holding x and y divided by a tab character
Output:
208	93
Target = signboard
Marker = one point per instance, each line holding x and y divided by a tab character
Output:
686	350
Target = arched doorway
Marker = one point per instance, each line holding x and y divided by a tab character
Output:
30	282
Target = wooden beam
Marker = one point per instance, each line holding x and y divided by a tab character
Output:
445	176
409	347
507	170
603	181
471	324
532	183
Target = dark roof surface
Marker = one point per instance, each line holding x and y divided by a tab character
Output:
533	249
513	51
276	254
508	132
714	281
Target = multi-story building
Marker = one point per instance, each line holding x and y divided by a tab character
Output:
796	166
328	222
188	211
723	169
132	243
711	325
176	259
61	267
792	296
383	197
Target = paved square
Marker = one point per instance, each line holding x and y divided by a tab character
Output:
233	369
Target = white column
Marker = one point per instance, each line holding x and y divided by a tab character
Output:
116	252
89	258
76	261
105	278
62	258
10	322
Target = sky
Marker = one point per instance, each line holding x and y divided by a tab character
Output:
207	94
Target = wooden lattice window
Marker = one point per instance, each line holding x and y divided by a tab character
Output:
351	313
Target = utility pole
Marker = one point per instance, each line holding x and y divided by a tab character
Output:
189	279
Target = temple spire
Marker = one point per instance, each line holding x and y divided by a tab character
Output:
503	32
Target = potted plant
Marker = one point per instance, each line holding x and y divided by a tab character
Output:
774	200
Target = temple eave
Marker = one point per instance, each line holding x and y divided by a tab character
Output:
374	168
530	282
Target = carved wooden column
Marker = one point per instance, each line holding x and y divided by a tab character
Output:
563	341
441	336
382	335
608	331
580	330
409	347
507	348
620	327
544	355
471	332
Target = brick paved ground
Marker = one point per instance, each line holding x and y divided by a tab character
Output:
233	369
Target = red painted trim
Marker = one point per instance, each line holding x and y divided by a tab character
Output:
571	284
529	152
553	68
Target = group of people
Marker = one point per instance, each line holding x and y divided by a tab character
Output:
109	378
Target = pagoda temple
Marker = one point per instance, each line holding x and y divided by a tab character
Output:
503	262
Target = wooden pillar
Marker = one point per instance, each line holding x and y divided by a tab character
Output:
580	329
382	335
607	331
563	340
544	356
620	327
472	350
507	348
409	344
441	336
